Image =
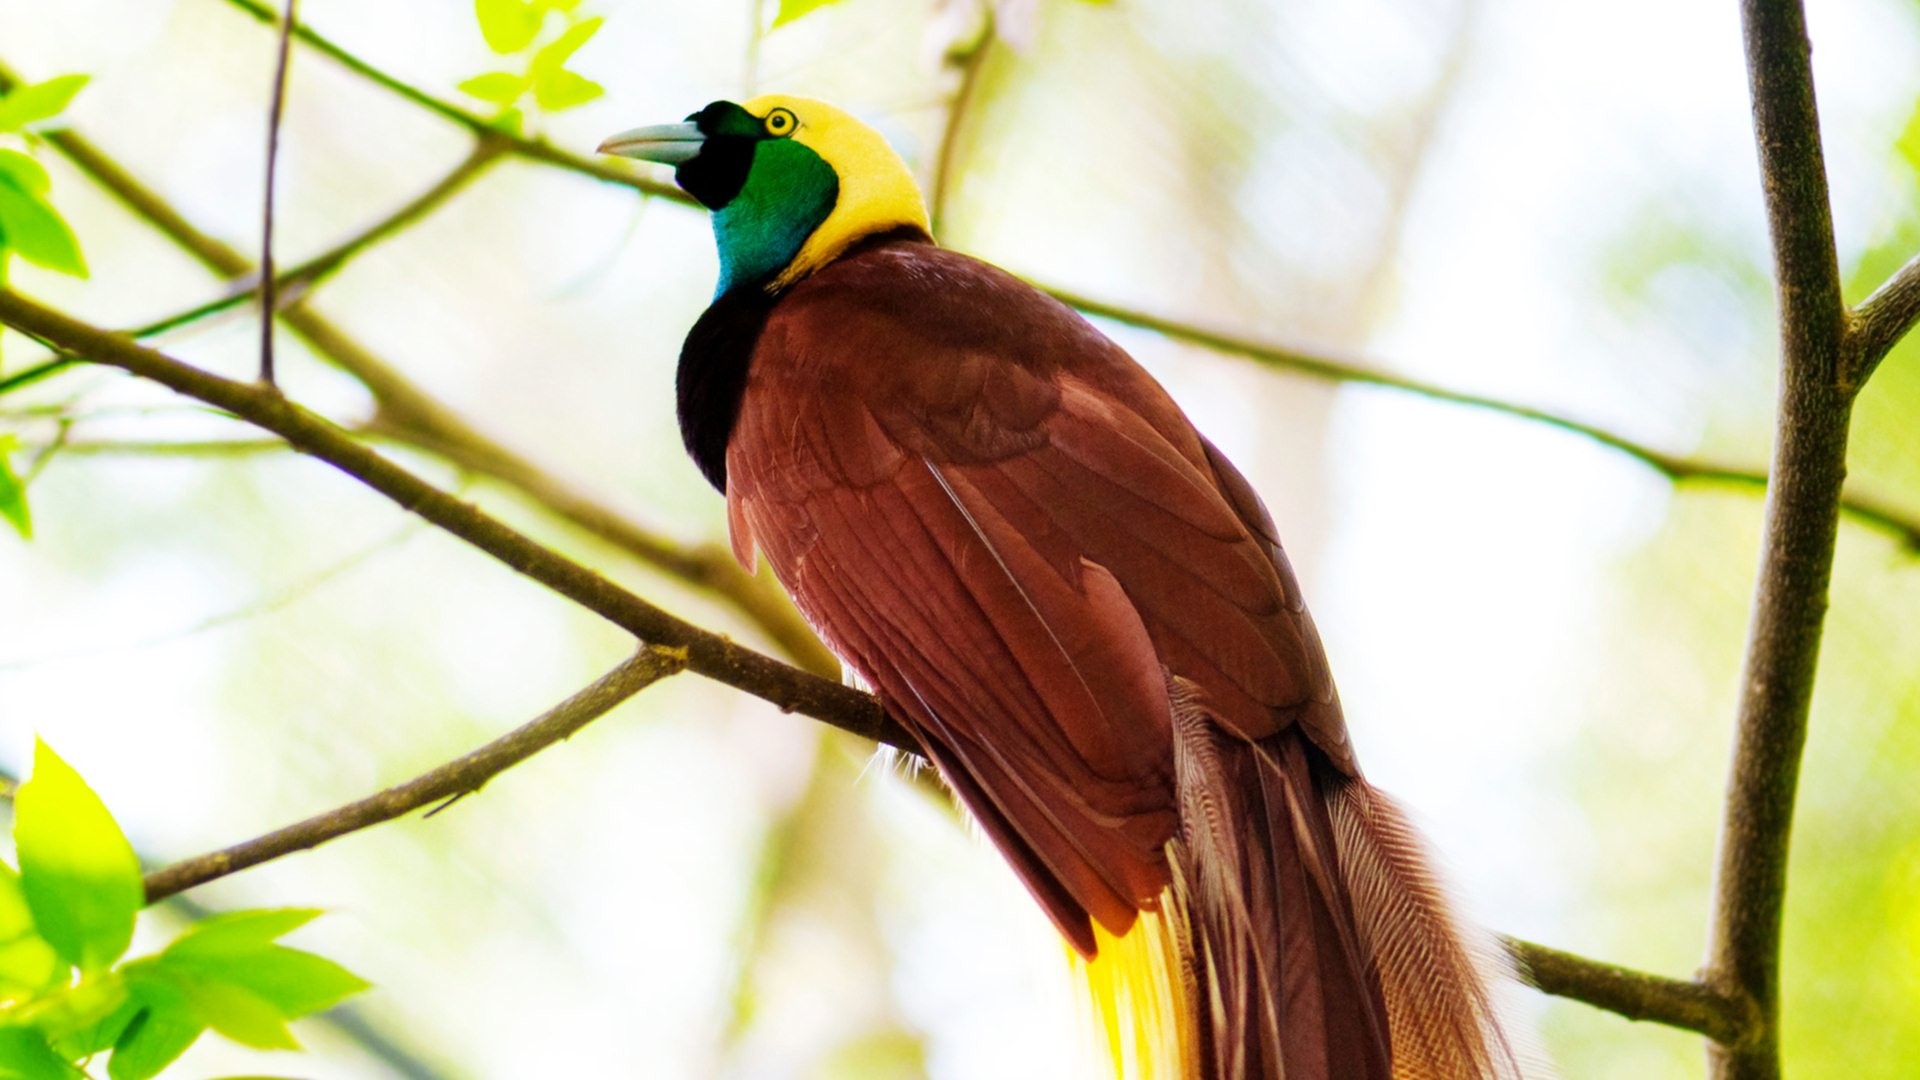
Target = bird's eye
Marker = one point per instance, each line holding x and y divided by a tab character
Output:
780	122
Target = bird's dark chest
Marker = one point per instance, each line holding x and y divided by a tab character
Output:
713	375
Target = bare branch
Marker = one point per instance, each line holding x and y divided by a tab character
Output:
709	654
1884	318
1802	526
289	284
409	413
1904	528
456	778
705	653
971	60
275	110
1635	995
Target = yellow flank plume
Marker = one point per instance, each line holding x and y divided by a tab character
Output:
1140	1014
877	190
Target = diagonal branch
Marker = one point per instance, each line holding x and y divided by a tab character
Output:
701	651
288	285
1904	528
1884	318
1802	526
406	412
459	777
709	654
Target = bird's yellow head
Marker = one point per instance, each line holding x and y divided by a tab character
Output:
791	182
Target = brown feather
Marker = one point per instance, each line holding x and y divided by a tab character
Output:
1013	534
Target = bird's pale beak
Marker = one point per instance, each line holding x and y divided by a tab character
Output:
669	144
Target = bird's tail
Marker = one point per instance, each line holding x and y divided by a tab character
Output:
1303	938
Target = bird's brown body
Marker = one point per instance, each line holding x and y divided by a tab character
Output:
1079	607
1082	611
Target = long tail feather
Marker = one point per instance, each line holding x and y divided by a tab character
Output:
1288	989
1436	975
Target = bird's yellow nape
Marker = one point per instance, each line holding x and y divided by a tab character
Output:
877	190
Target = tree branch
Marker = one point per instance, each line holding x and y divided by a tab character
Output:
408	413
289	284
704	653
1802	526
275	110
709	654
1884	318
1635	995
1904	528
459	777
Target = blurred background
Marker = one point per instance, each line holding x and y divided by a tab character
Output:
1537	638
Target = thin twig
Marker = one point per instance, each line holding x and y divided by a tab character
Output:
1884	318
407	412
1306	362
1635	995
274	113
457	777
710	654
1796	560
289	284
706	653
34	374
972	61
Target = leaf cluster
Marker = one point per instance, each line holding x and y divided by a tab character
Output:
66	920
511	28
30	227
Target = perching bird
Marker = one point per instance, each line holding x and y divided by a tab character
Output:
1079	607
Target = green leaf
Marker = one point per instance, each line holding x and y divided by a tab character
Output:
73	1018
510	121
80	876
791	10
26	173
240	931
150	1042
13	493
35	231
27	963
562	89
554	55
293	981
25	1055
508	25
499	87
41	101
86	1040
236	1012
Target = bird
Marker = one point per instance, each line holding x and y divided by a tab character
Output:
1079	608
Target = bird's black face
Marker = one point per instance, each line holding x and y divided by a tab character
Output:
717	173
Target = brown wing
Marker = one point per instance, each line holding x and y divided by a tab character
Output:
1007	528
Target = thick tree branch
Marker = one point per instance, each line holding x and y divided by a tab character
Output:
1802	526
709	654
1884	318
1635	995
461	776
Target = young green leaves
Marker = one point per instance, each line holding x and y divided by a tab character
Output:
30	227
510	28
66	920
13	493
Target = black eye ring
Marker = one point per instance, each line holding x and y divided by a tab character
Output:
781	123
